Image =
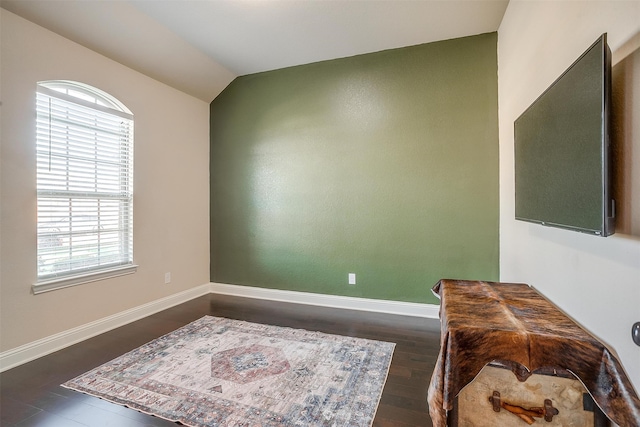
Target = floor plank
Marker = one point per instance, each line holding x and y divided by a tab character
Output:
30	395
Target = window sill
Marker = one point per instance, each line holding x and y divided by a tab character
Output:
68	281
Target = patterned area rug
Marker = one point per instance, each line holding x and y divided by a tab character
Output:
222	372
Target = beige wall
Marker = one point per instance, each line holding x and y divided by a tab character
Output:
595	280
171	194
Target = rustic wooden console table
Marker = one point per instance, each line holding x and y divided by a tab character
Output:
513	324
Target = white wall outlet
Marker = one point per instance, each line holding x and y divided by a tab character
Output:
352	278
167	278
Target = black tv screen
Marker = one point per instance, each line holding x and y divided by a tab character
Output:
562	170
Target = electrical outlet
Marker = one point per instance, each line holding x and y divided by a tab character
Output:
352	278
167	278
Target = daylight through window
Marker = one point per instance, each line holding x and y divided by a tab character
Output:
84	181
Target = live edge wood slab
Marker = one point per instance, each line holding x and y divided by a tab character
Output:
512	324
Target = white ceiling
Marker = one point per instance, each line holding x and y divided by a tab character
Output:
200	46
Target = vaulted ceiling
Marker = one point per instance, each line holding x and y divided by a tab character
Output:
200	46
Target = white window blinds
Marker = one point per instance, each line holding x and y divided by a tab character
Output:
84	181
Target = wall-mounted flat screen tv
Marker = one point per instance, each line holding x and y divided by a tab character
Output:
562	160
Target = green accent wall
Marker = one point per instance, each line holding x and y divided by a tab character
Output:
384	165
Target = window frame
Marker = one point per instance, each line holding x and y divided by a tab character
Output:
87	97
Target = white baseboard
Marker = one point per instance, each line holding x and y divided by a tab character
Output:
33	350
42	347
430	311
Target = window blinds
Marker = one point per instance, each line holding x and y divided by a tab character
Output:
84	184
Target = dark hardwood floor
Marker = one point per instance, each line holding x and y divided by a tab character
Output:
30	394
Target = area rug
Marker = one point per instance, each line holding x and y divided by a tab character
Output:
223	373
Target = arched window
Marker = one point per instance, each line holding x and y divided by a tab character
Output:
84	147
